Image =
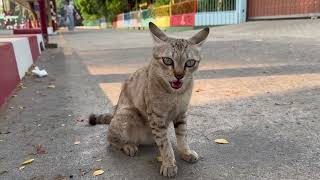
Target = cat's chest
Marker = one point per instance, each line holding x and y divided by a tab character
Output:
179	104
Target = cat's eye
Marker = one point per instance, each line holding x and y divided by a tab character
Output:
190	63
167	61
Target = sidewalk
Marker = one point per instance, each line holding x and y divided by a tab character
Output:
261	93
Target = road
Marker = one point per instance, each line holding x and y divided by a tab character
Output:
258	87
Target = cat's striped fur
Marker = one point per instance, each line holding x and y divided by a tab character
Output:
153	97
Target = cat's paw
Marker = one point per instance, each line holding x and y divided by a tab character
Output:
190	156
168	170
130	149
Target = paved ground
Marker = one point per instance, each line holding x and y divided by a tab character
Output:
258	87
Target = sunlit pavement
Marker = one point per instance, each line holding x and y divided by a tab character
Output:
258	87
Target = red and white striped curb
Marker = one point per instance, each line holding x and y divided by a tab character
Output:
17	54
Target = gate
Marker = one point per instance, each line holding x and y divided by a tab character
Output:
273	9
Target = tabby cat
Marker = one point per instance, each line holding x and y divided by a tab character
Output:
153	97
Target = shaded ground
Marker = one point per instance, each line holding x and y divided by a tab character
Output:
259	90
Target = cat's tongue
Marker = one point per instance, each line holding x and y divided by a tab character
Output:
176	84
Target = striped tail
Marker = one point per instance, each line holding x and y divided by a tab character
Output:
100	119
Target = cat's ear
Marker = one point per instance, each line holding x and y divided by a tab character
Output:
157	34
199	38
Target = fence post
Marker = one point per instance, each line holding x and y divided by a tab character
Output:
241	8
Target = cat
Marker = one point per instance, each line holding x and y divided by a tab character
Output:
153	97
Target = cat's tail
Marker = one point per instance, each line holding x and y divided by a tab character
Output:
100	119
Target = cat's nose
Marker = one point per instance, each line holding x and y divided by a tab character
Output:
179	76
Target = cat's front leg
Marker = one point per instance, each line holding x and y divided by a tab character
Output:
159	129
180	127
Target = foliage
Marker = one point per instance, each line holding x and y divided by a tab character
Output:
161	2
95	9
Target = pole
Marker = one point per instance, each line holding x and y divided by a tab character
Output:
43	20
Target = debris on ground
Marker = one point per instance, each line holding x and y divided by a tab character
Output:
6	132
76	142
199	90
159	159
59	177
221	141
79	119
51	86
40	149
29	161
21	168
83	172
40	73
98	172
3	172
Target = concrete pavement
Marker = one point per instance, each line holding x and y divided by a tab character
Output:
260	91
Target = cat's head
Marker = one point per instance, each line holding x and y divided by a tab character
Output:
175	60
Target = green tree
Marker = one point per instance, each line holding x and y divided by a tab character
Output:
95	9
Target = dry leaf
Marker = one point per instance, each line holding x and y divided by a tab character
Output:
98	172
198	90
28	73
60	177
29	161
76	142
40	149
221	141
21	167
51	86
98	160
159	159
79	119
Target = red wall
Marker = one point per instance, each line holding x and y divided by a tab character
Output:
182	20
9	77
258	8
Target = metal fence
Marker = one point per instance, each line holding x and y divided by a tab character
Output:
216	5
187	13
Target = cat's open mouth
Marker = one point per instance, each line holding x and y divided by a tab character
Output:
176	84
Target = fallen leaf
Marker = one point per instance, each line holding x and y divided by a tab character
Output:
159	159
29	161
221	141
98	160
21	167
51	86
98	172
198	90
3	172
28	73
79	119
84	172
7	132
40	149
76	142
